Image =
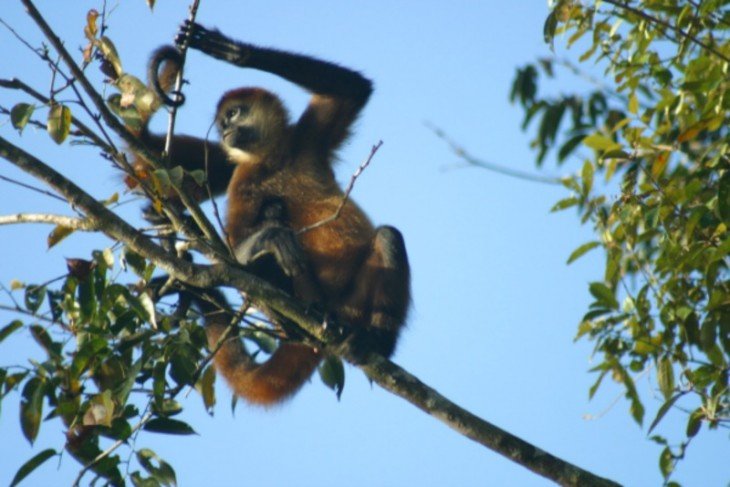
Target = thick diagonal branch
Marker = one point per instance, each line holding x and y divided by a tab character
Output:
382	371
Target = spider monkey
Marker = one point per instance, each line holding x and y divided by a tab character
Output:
281	185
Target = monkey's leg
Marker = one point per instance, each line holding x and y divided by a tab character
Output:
378	306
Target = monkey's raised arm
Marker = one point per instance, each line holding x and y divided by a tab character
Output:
338	93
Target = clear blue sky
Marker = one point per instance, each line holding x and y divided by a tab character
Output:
495	307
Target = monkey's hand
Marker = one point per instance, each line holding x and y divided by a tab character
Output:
212	43
277	241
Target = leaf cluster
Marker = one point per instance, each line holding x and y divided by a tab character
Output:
652	143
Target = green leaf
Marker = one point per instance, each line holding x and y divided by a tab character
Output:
695	422
723	196
7	330
109	51
176	175
206	387
587	178
332	374
20	115
600	142
548	30
582	250
163	472
129	114
159	382
665	376
663	410
633	104
666	462
58	233
34	297
101	410
32	464
31	408
603	294
135	261
565	203
169	426
41	336
59	123
122	394
568	148
183	366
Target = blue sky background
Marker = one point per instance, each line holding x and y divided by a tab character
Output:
495	307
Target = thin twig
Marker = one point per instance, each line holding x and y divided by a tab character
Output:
379	369
213	239
179	82
348	190
216	211
17	84
463	154
32	188
145	419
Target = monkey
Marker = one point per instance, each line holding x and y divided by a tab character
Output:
280	191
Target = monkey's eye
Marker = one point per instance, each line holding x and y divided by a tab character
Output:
232	113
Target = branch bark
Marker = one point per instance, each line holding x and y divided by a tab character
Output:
66	221
382	371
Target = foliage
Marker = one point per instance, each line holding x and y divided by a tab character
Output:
653	141
114	361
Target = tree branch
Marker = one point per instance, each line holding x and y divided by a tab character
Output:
66	221
667	25
133	142
387	374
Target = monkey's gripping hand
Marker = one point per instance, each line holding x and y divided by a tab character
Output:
213	43
275	241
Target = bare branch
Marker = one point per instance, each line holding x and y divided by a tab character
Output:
16	84
213	239
348	190
32	188
65	221
387	374
179	81
463	154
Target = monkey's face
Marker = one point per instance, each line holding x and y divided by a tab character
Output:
251	125
237	128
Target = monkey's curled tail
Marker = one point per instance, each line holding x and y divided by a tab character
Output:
268	383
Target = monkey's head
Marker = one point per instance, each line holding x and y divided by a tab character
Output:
252	123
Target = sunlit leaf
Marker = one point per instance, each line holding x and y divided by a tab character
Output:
600	142
59	122
582	250
665	377
109	51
